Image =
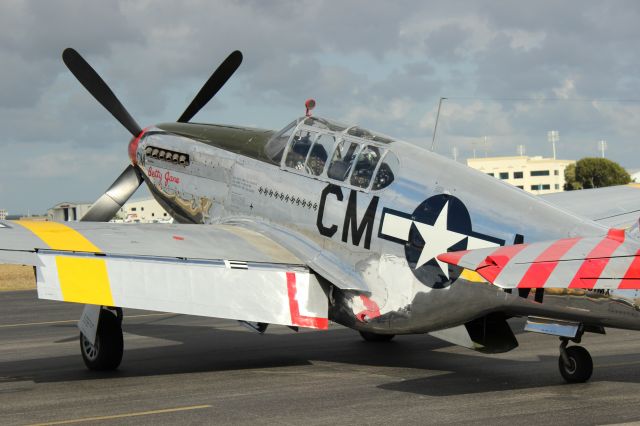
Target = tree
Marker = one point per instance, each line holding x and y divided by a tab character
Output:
594	173
570	182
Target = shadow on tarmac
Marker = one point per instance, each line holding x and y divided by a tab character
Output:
192	349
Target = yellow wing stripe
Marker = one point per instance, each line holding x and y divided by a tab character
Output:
58	236
82	279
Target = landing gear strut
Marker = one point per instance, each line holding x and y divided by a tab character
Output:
106	352
574	362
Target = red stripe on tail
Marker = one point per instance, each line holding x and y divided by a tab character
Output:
453	258
540	271
493	264
591	269
631	279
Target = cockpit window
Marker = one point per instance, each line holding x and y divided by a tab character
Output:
342	160
275	147
365	166
367	134
320	154
324	124
385	175
297	154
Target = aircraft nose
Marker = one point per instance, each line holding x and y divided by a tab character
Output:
133	146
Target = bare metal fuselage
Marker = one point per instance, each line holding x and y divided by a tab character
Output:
229	179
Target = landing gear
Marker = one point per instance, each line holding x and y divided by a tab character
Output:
106	352
574	362
375	337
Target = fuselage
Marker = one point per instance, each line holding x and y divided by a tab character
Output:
384	208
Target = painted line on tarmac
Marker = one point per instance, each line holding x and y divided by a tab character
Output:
120	416
618	364
25	324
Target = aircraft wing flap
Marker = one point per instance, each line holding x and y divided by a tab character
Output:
609	262
208	270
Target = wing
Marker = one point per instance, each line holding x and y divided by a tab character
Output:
218	271
609	262
614	206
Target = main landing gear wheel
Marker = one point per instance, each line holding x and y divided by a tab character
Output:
106	353
375	337
575	363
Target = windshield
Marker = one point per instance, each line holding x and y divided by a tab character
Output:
275	147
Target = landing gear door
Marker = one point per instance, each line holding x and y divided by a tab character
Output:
88	323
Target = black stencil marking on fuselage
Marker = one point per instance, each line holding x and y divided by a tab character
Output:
286	198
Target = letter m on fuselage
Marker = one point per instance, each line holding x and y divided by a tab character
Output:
351	224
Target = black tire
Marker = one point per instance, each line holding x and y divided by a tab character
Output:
581	365
106	354
375	337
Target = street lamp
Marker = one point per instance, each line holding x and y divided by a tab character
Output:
553	136
602	146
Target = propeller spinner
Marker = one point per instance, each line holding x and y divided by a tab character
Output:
128	182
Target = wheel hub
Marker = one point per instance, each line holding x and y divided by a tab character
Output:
90	350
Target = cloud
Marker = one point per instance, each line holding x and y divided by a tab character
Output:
511	73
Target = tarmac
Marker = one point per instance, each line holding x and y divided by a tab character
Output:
193	370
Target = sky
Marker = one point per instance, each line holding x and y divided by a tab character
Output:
511	71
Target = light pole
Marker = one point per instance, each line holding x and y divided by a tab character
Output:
553	136
602	146
433	139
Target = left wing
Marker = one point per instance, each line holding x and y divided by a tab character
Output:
609	262
209	270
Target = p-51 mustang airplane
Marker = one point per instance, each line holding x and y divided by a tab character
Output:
323	222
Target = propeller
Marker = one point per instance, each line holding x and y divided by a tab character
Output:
99	89
130	179
211	87
106	207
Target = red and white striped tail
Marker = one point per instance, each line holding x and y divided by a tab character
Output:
608	262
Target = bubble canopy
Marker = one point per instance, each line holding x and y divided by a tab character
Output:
328	150
276	145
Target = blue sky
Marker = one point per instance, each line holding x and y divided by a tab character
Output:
511	72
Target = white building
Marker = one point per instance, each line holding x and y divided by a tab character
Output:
3	214
537	175
145	210
66	212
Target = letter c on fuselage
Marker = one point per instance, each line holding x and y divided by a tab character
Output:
330	189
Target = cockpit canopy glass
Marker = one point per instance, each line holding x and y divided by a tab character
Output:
276	145
327	149
367	134
365	166
322	123
300	145
385	175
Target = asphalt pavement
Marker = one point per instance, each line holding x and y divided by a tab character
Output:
191	370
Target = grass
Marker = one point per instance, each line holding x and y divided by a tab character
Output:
17	277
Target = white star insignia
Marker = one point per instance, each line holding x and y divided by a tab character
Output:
437	237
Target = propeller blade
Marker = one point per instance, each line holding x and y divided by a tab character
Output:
99	89
106	207
211	87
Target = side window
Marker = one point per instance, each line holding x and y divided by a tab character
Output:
365	166
320	154
385	175
342	160
299	149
